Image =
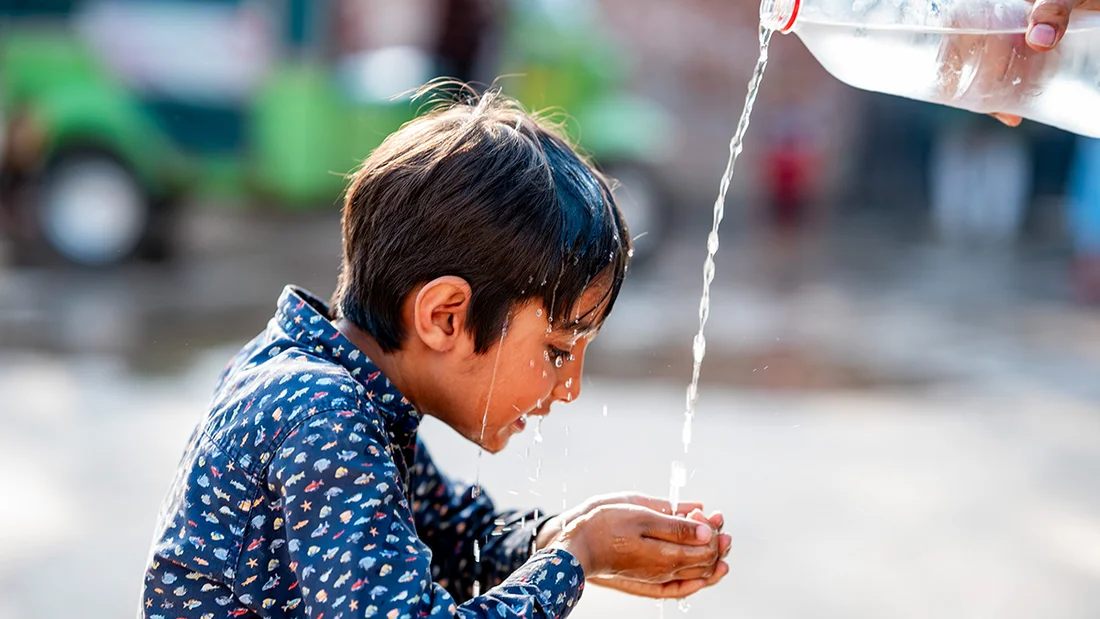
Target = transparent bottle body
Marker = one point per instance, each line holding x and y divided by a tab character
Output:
969	54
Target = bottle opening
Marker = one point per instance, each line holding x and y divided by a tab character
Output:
779	14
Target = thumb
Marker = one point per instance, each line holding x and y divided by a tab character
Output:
677	529
1048	23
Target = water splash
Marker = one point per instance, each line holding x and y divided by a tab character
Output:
699	343
476	489
678	479
538	429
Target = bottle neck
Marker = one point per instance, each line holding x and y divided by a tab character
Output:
779	14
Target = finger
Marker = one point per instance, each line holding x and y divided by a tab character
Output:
662	505
724	543
670	590
1049	20
688	507
676	529
717	519
1008	119
720	572
698	516
695	572
667	558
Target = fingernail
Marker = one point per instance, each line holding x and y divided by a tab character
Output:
703	532
1041	35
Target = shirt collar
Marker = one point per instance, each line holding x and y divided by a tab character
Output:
304	318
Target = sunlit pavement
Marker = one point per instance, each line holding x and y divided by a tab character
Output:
911	435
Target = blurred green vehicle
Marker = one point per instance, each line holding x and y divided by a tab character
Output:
116	111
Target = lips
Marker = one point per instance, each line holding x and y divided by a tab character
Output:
520	424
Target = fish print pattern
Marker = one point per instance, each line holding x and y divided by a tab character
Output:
304	492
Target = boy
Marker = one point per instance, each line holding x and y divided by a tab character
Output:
481	255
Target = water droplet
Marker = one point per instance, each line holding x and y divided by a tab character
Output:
677	480
538	312
544	373
475	491
477	589
538	403
605	410
572	357
569	383
538	433
699	347
683	605
569	397
477	552
558	362
712	242
532	363
546	355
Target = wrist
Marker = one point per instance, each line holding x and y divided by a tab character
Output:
578	549
572	540
549	531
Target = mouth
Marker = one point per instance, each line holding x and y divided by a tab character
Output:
520	424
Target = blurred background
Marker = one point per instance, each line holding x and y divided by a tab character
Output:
900	409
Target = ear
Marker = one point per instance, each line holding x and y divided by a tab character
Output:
439	312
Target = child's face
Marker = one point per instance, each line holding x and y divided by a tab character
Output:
535	365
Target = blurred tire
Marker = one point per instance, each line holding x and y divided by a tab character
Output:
643	200
90	210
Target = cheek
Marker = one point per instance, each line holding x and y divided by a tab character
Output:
522	386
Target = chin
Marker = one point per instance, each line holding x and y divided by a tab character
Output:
495	444
492	443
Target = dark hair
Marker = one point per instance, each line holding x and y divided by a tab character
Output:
481	190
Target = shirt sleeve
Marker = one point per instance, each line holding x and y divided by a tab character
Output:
450	516
353	541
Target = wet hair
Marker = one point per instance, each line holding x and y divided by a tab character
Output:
478	188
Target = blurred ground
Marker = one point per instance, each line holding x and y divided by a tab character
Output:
893	429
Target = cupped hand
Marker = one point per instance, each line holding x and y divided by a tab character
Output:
637	543
688	581
556	525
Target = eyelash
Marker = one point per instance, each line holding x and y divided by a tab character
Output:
557	353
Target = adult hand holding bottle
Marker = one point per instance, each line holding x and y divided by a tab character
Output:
1046	26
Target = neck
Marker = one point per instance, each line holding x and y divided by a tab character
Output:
391	364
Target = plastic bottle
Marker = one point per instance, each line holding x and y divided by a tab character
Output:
969	54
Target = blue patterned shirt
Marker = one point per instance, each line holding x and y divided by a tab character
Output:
304	492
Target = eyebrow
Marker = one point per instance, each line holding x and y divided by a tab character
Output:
589	322
586	327
582	325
